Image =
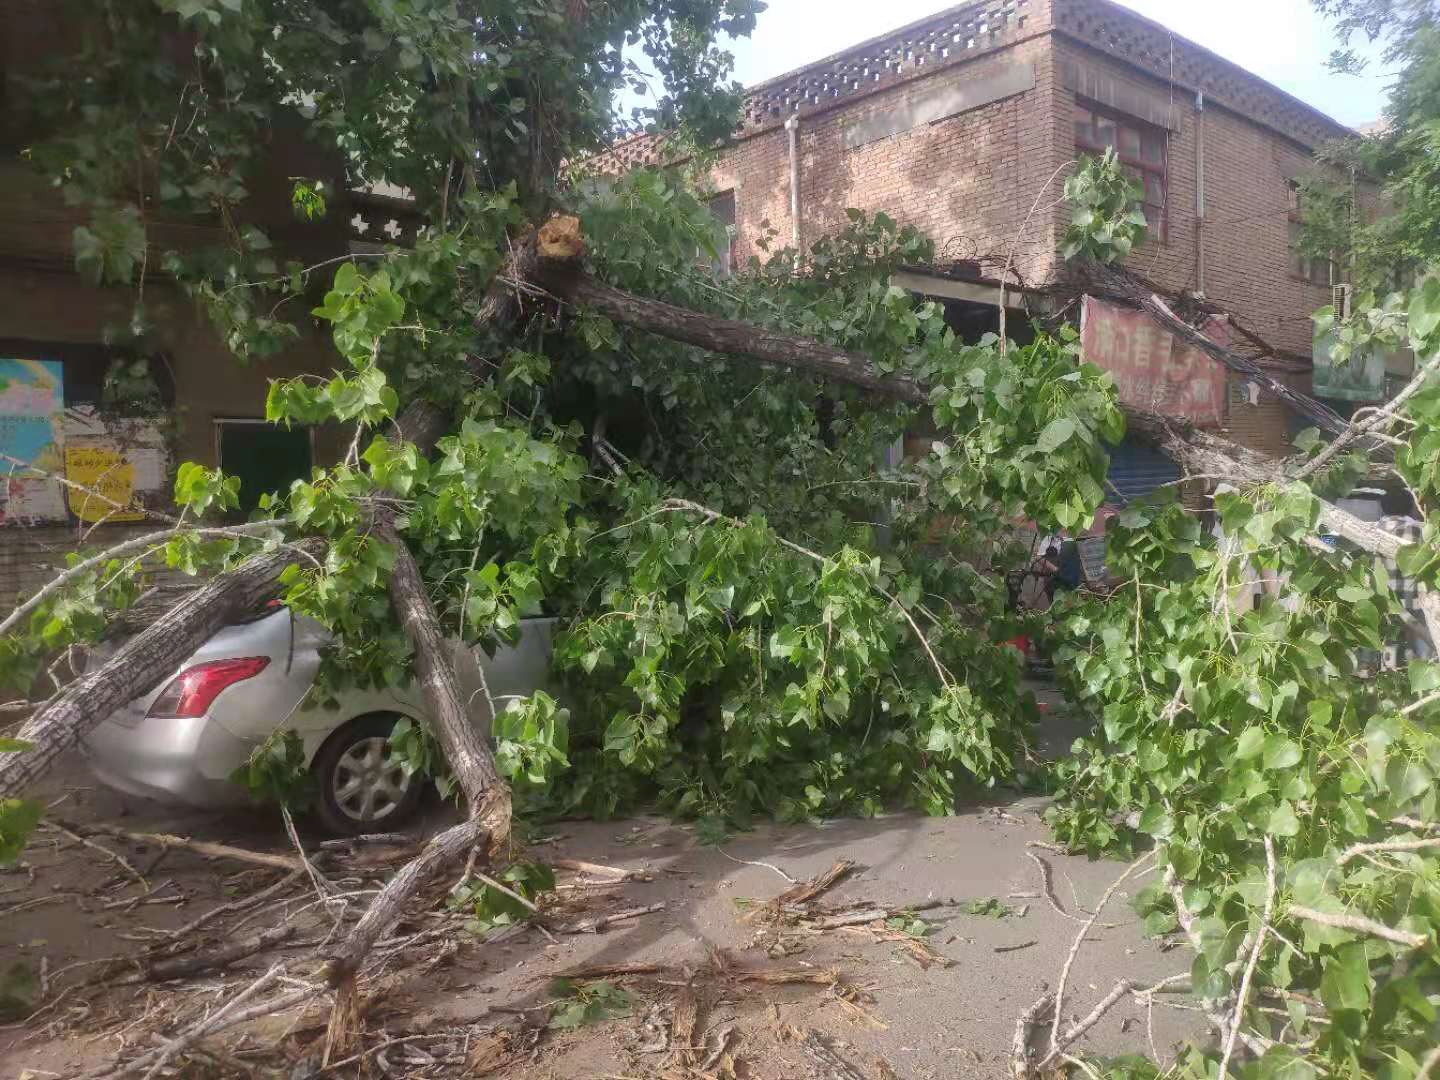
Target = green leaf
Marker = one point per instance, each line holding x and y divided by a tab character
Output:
1282	820
1056	433
1425	311
347	279
1154	821
18	818
1282	1063
1347	983
1250	743
1281	753
1158	923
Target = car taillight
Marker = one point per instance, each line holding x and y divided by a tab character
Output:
194	690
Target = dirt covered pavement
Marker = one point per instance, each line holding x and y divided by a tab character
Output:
720	980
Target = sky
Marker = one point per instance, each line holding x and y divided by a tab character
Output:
1283	41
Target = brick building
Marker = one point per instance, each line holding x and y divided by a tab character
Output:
964	124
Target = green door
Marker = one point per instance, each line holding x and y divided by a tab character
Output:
266	458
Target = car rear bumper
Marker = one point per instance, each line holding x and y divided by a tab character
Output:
172	761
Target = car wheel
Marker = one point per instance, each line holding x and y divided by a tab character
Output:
363	786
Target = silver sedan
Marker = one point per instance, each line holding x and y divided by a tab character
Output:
180	742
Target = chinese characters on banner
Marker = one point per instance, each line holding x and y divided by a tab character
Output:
1153	369
104	470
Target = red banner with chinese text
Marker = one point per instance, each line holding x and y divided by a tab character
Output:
1153	369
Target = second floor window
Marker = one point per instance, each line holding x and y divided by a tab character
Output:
1311	268
722	209
1141	149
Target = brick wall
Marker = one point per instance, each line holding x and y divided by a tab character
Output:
32	555
1266	425
967	181
1247	169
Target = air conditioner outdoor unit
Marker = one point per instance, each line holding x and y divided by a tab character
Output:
1340	299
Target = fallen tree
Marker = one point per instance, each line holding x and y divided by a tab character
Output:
761	620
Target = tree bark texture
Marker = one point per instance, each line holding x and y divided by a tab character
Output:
466	749
727	335
444	849
142	662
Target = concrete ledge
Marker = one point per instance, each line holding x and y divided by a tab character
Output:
928	106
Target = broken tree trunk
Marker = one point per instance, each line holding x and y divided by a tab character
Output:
468	753
143	661
1198	452
344	960
443	849
466	749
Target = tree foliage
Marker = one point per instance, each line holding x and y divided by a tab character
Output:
759	617
1384	246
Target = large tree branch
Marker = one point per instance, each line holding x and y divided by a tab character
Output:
727	335
1196	451
143	661
466	749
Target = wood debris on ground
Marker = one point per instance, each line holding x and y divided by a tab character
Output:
797	913
187	1000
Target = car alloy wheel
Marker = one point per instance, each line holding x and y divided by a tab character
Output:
363	786
368	783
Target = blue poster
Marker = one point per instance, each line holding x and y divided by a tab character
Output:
32	432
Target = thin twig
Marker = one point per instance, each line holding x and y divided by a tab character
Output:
1010	256
752	862
595	926
1358	924
1416	706
1047	888
1055	1046
490	881
1356	850
1381	417
154	1061
399	1040
322	889
115	857
1260	935
236	906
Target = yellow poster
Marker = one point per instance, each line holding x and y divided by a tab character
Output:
103	470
